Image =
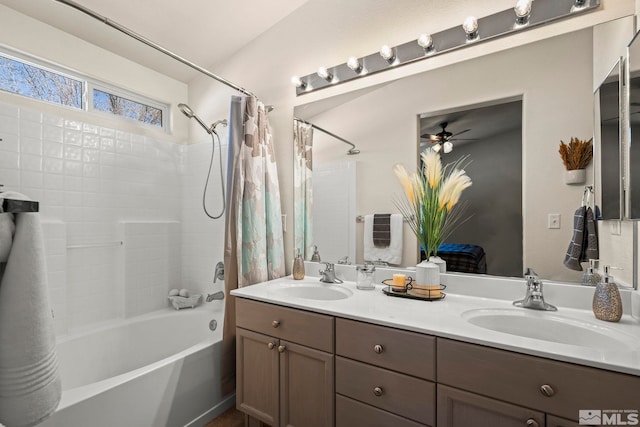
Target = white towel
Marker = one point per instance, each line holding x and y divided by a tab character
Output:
391	254
30	386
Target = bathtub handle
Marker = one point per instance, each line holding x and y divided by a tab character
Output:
271	346
275	323
281	349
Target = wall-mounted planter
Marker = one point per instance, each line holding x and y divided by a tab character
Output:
575	177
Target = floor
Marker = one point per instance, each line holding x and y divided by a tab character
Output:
231	418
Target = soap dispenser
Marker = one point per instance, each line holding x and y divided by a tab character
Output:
298	266
607	304
316	255
591	277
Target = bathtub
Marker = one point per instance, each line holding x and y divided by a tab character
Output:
156	370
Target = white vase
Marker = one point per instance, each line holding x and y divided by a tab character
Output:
442	264
576	176
427	273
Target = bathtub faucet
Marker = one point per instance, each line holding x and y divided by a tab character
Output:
215	295
219	274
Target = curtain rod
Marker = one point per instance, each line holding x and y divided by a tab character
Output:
149	43
353	150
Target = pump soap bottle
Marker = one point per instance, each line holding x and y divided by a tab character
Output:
591	277
316	255
607	304
298	266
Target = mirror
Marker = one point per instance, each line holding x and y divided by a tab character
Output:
608	140
633	150
557	104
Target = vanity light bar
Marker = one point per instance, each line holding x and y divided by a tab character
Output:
523	16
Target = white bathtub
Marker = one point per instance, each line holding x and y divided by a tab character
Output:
156	370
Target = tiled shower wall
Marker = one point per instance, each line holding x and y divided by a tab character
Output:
91	181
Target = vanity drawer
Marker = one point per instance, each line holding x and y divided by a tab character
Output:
402	351
413	398
298	326
351	413
523	380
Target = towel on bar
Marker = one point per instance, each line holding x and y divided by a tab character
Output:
30	386
392	254
584	243
381	230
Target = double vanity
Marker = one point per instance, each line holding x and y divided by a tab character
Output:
317	354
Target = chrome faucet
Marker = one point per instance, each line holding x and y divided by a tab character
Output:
534	299
344	260
219	273
215	295
328	275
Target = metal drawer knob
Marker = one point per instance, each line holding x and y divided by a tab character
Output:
547	390
271	346
532	423
281	348
377	391
275	323
378	348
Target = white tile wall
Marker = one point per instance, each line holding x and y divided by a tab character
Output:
88	179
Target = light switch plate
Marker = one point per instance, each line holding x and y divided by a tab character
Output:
553	220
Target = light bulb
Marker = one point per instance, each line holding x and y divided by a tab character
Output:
354	64
448	146
436	147
425	41
325	74
387	53
298	82
523	10
470	26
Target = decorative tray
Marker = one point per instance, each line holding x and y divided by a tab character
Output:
430	294
188	302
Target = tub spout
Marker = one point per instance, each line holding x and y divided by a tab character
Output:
215	295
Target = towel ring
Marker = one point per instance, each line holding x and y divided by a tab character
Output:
586	195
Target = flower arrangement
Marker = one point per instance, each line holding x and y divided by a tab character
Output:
430	201
577	154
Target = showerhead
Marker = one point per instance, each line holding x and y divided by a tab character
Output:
186	110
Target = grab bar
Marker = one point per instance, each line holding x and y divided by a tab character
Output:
96	245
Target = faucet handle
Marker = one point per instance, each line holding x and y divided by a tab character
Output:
530	273
328	266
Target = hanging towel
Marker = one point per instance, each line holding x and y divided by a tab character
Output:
590	242
392	254
381	230
30	386
575	250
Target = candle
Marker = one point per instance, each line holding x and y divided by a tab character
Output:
399	281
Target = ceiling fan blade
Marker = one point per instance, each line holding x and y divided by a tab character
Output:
461	132
432	138
463	139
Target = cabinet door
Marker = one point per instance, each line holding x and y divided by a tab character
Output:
306	386
553	421
257	376
457	408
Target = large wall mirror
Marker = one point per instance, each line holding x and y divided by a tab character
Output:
549	104
633	151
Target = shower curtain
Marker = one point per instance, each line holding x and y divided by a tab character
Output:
303	230
253	241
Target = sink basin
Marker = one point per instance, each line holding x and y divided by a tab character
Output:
549	327
316	291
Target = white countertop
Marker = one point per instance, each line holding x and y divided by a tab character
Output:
445	318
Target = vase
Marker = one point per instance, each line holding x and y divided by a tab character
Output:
575	177
427	280
442	264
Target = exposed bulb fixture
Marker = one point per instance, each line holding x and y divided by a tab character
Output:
447	147
325	74
523	11
297	82
387	53
579	3
354	64
470	26
425	41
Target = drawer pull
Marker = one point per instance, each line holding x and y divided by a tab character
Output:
378	348
377	391
547	390
281	348
532	423
275	323
271	346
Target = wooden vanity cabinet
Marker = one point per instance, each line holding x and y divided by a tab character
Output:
285	365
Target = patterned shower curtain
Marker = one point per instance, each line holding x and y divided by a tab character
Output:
302	208
253	241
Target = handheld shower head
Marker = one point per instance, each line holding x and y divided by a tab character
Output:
187	111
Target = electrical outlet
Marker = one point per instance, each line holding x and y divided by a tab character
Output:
553	220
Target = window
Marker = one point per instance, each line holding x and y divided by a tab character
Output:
37	82
31	78
121	106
